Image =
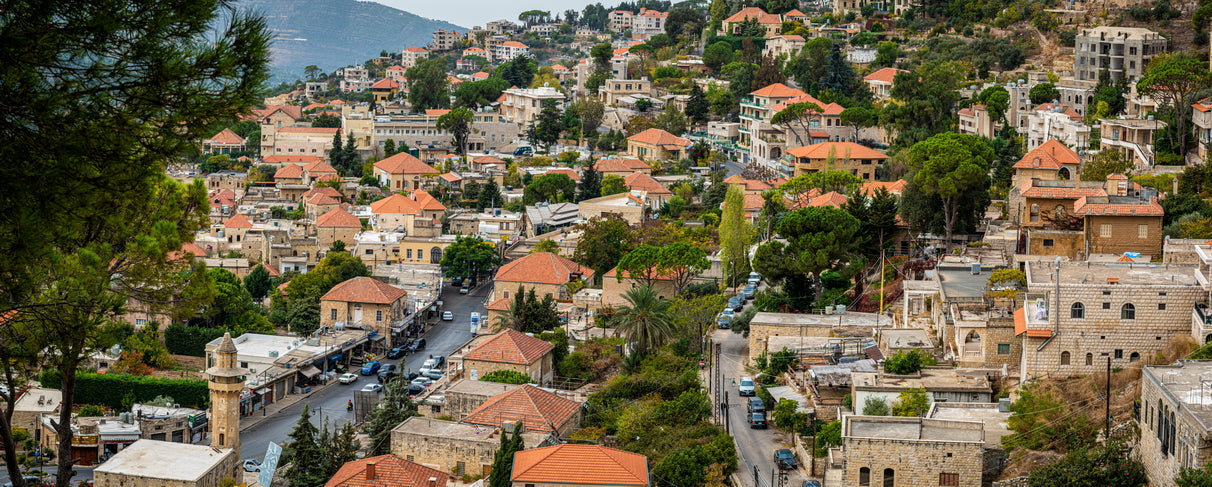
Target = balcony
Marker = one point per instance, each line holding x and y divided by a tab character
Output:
1201	323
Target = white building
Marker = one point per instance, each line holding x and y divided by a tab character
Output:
522	105
410	56
1055	121
509	50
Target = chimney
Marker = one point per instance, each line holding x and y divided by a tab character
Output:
433	482
370	470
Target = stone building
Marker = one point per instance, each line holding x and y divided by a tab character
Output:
449	446
364	300
983	336
150	463
890	451
537	410
576	465
337	225
942	384
853	158
765	326
465	396
1175	414
511	350
544	272
1078	314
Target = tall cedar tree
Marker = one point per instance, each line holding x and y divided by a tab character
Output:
591	184
697	106
395	408
502	460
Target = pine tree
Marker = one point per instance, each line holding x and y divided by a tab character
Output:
393	409
591	184
306	454
489	196
389	148
257	282
342	448
349	157
502	462
697	106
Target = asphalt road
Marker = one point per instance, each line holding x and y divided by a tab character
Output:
329	402
755	447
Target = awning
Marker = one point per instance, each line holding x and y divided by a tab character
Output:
263	391
335	357
113	438
309	371
1020	321
378	338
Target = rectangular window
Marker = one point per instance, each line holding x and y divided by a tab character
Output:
334	313
408	253
139	322
1048	242
378	315
370	251
1119	353
1104	230
1003	349
1106	305
948	480
1161	306
1142	231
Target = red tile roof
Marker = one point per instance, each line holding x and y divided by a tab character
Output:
450	177
542	268
885	75
329	131
487	160
323	200
389	470
1124	258
396	204
338	218
385	84
826	108
795	12
840	150
778	90
1066	109
536	409
1203	105
644	182
436	112
281	159
405	163
289	171
754	13
396	67
659	137
832	198
1029	190
292	111
1050	155
427	201
753	202
237	221
620	165
579	464
895	187
1117	177
480	75
512	44
653	13
510	347
499	305
416	49
311	193
226	136
567	172
364	290
319	167
1101	207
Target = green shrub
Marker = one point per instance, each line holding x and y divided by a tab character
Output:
91	411
190	340
108	389
506	377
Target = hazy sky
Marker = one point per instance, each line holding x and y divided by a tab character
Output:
468	13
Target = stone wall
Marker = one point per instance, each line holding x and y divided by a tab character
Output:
1193	440
540	371
758	333
446	454
1125	235
226	468
1102	333
913	462
1071	244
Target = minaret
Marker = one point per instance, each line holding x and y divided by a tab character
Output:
225	386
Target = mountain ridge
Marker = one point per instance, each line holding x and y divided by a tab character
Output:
336	33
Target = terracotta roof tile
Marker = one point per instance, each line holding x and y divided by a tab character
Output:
510	347
885	75
499	305
754	13
329	131
282	159
1116	177
832	198
364	290
396	67
894	187
338	218
1102	206
644	182
450	177
311	193
659	137
620	165
579	464
541	268
324	200
795	12
487	160
1050	155
385	84
436	112
237	221
840	150
389	470
289	171
319	167
754	202
512	44
567	172
1203	105
1124	258
416	49
536	409
226	136
1029	190
405	163
396	204
427	201
778	90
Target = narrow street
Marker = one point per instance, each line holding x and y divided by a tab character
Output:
755	447
328	403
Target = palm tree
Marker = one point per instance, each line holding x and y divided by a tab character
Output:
515	317
646	321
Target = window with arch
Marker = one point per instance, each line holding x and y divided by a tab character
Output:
1127	312
1134	357
889	477
1064	358
1089	359
864	476
1077	311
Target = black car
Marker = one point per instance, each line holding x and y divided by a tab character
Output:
389	371
757	420
737	303
785	459
397	351
417	344
410	376
414	389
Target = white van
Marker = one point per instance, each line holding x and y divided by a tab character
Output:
475	323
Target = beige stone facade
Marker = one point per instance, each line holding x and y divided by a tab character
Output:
914	451
1173	420
449	446
766	325
1119	310
148	463
465	396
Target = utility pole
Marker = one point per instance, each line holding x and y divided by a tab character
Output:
1107	411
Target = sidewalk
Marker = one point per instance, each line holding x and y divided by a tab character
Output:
248	421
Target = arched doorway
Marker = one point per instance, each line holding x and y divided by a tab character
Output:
1064	174
972	342
435	255
776	153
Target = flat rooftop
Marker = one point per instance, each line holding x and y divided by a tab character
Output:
881	427
39	400
164	460
960	282
906	338
479	387
984	412
803	319
1098	273
931	379
437	428
1184	381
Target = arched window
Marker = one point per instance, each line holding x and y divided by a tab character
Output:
889	477
1127	312
1134	357
1077	311
864	476
1063	174
1064	358
1089	359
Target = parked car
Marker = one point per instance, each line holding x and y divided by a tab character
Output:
724	322
414	389
369	368
439	361
785	459
348	378
754	278
397	351
456	282
757	421
435	374
736	303
447	316
749	291
250	465
756	405
422	381
388	371
426	366
372	387
728	312
410	376
463	290
523	150
417	344
746	387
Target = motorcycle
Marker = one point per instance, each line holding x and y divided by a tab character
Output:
349	406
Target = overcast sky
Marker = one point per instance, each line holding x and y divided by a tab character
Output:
469	13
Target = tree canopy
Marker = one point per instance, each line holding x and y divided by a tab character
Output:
470	255
817	239
949	166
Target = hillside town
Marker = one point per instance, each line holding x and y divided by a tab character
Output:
731	242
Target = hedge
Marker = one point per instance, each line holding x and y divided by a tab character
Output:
190	340
109	389
506	377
